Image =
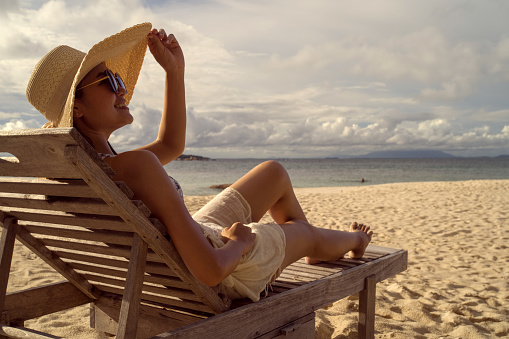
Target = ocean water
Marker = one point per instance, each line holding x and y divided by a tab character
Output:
197	176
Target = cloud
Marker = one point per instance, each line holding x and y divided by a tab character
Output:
291	78
19	124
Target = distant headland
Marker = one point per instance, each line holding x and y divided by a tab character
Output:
189	157
408	154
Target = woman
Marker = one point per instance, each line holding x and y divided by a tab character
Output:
223	242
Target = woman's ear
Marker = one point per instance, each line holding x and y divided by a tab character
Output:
77	110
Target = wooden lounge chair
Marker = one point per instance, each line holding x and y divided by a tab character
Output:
58	199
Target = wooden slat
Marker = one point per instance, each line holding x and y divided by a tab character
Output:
167	302
111	223
321	268
45	158
93	259
168	291
55	187
171	292
85	269
378	250
129	311
307	273
113	250
38	301
68	188
70	205
10	227
78	205
151	267
165	280
284	285
156	269
294	279
109	237
51	259
344	264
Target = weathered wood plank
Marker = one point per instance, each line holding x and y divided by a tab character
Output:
38	301
367	298
10	227
55	187
111	250
47	160
178	291
308	273
109	237
129	311
78	205
151	268
69	205
159	299
111	223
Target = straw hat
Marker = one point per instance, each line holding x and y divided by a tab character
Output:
54	79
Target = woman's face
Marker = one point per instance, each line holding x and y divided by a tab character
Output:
97	107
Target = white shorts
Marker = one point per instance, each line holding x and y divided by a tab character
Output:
259	267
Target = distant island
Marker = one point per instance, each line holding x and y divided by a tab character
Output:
416	154
189	157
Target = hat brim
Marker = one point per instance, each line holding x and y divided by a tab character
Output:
123	53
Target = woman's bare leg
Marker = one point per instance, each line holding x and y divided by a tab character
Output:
317	244
267	187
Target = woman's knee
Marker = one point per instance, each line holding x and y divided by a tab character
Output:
274	170
272	166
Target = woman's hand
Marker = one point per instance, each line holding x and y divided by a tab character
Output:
239	233
166	50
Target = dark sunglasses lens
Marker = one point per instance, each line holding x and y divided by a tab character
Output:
112	81
119	81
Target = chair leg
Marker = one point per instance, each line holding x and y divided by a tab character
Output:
130	309
6	249
367	308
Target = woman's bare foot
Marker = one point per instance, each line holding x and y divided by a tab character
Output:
312	261
356	245
364	238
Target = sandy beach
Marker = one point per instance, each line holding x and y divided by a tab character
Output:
456	285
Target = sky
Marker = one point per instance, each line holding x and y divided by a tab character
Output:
292	78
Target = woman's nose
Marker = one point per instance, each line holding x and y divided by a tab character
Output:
121	91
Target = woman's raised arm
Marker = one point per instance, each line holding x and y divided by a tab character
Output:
170	141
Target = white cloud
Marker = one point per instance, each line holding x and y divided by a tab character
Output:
19	124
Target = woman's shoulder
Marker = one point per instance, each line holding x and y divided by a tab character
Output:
138	162
131	159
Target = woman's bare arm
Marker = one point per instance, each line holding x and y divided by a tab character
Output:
170	140
143	173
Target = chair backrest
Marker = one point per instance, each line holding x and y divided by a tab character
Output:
82	223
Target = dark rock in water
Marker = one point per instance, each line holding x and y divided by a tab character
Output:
221	187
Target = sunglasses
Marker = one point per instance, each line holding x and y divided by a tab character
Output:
115	82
